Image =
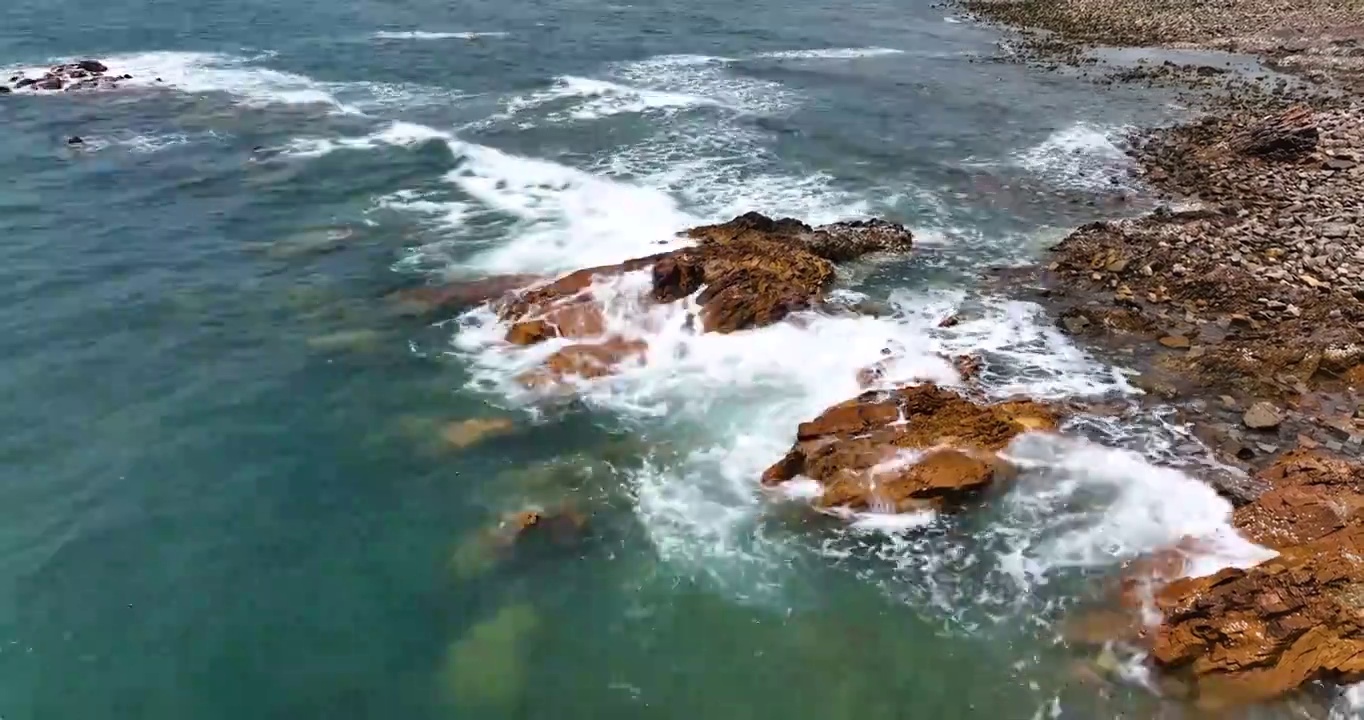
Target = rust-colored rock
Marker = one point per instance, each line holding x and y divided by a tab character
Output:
1312	494
462	294
914	447
585	361
561	526
747	273
1245	636
578	320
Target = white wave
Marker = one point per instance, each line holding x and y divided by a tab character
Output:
424	35
1081	156
198	73
831	53
1350	704
1093	506
708	77
592	99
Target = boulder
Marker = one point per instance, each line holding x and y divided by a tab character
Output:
4	90
50	82
1262	416
92	66
911	448
584	361
747	273
1311	494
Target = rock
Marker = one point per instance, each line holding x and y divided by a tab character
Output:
1177	342
579	320
584	361
51	82
75	140
25	82
93	66
950	321
907	449
1247	636
1310	495
4	90
1075	324
466	433
461	295
1335	230
747	273
1262	416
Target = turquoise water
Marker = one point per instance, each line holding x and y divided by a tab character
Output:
224	492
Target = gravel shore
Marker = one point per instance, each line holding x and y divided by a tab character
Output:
1246	290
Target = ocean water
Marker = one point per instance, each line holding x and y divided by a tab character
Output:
224	491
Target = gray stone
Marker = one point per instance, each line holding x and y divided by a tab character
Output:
1262	416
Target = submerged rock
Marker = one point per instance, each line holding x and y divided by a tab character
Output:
80	75
467	433
486	669
912	448
460	295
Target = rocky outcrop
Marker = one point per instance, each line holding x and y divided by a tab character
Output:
908	449
747	273
79	75
460	295
1249	635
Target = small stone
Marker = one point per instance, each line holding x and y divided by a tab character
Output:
1176	342
1335	230
1228	401
1117	266
1267	448
1335	163
1075	324
75	140
1262	416
1307	443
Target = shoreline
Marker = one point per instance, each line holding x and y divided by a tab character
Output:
1256	294
1244	309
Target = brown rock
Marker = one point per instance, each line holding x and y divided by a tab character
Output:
563	527
1246	636
1262	416
1311	495
914	447
461	295
584	361
578	320
1176	342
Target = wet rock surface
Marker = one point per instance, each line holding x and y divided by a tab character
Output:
66	77
913	448
750	272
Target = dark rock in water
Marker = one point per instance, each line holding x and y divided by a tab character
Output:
51	82
126	76
75	140
78	74
93	66
25	82
4	90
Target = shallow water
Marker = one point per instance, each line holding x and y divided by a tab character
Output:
225	493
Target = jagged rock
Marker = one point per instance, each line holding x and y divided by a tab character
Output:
93	66
584	361
4	90
1262	416
460	295
1246	636
915	447
1311	495
1287	136
747	273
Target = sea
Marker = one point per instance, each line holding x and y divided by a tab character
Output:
227	486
